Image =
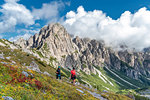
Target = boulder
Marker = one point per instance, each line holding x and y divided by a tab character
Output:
25	73
7	98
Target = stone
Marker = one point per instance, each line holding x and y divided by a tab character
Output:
2	56
4	62
7	98
80	90
46	73
98	96
8	58
13	62
105	91
25	73
34	66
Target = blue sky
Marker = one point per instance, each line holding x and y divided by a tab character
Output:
22	18
113	8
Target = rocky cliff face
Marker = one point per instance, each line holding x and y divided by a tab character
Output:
55	46
94	53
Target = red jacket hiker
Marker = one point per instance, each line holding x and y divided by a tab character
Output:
73	74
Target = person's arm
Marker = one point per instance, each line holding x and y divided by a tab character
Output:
70	76
57	71
75	74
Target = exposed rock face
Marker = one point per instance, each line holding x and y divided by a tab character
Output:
54	45
33	66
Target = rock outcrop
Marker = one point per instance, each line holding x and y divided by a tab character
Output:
55	46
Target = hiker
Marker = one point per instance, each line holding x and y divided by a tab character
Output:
58	74
73	75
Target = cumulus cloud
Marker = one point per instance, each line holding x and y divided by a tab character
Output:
12	1
48	11
25	37
12	14
132	30
26	34
28	31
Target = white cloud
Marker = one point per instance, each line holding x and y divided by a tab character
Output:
13	14
130	29
27	33
49	11
68	3
37	24
12	1
25	36
7	25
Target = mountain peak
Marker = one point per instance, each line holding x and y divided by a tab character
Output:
47	33
55	46
54	27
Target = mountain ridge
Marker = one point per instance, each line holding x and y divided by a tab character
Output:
81	52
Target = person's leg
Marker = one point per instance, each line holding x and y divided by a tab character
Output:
60	77
71	79
74	79
56	76
74	82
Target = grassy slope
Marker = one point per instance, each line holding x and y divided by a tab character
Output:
36	88
33	87
119	84
39	86
123	76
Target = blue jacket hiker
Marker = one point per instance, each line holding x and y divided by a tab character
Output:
58	74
